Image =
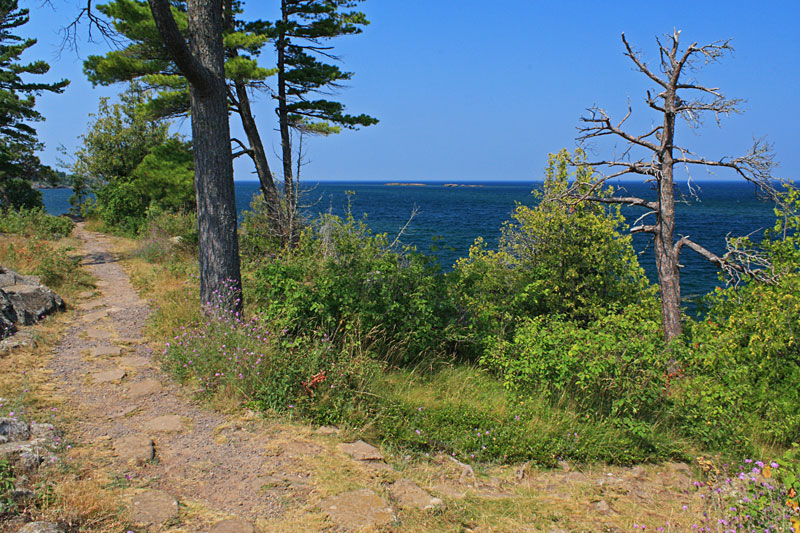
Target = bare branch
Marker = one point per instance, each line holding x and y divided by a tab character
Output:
624	200
640	64
95	24
600	125
738	261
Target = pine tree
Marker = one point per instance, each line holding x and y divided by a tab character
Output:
18	140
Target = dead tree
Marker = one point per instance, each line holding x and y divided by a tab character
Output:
674	97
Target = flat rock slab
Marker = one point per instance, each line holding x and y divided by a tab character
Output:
357	509
232	526
132	340
164	423
361	451
137	448
134	362
144	388
109	376
99	334
88	306
94	316
153	508
299	448
105	350
410	496
41	527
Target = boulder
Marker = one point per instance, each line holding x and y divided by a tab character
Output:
7	316
153	508
41	527
410	496
8	277
32	302
14	430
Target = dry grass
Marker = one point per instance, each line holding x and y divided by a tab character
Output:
75	492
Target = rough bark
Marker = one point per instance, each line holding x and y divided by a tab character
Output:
283	114
202	63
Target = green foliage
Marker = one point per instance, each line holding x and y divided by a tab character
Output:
345	281
18	140
35	223
55	265
166	176
7	484
297	37
132	164
121	206
616	367
746	359
20	194
269	370
556	258
146	60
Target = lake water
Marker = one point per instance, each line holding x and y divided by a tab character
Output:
454	216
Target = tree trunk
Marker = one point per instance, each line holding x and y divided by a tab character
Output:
259	157
666	254
203	65
283	119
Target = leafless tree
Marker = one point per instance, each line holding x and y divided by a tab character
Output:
674	97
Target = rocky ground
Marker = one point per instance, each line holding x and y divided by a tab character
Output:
184	467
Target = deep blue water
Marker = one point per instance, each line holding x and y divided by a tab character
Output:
457	215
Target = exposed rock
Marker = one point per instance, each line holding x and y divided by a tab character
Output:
94	316
41	527
361	451
88	306
299	448
105	350
602	507
164	423
43	431
153	508
32	302
144	388
14	430
327	430
7	316
109	376
232	526
409	496
22	456
99	334
8	277
357	509
137	448
22	339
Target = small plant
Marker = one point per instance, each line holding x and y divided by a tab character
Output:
35	223
7	484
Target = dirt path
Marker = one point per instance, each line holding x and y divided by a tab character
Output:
105	368
187	468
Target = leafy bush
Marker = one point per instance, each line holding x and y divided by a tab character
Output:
35	223
121	206
346	282
616	367
557	258
746	353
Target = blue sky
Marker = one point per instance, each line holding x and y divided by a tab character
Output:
484	90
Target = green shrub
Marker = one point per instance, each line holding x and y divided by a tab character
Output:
35	223
346	282
615	367
557	258
121	206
